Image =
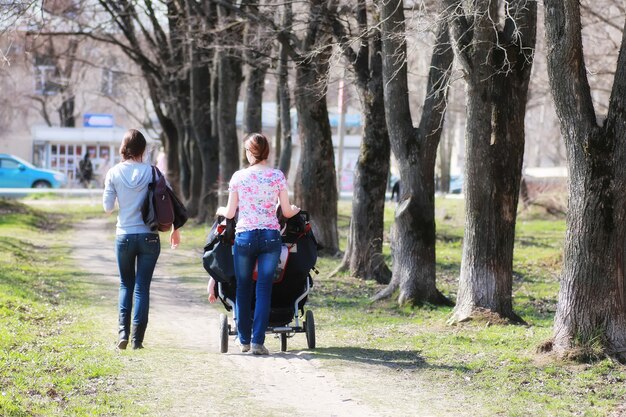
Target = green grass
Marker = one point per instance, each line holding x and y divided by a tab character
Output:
496	366
53	358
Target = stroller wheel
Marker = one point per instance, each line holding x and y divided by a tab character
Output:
223	333
309	328
283	342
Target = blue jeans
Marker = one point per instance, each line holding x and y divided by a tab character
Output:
261	245
137	255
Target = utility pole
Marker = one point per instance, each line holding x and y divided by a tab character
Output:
341	128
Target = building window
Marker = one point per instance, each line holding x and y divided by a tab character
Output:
111	82
45	84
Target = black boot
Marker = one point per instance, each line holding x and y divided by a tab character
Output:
137	336
124	331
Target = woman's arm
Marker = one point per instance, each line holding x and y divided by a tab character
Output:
289	210
109	195
231	207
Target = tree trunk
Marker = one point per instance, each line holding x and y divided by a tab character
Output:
444	158
364	252
66	112
253	105
413	236
496	107
591	314
277	142
316	187
229	69
363	256
184	163
208	145
255	40
286	147
284	99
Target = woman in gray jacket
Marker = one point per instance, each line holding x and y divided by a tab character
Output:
137	247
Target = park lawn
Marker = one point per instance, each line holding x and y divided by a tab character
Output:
494	366
55	357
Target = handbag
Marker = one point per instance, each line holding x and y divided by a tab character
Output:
157	210
180	211
218	251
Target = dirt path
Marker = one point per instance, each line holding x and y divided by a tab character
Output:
181	373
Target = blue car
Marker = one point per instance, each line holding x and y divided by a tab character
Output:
17	173
456	184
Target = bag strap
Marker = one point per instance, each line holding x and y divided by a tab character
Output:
153	168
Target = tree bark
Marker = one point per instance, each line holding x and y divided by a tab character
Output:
316	188
229	75
284	98
413	235
255	42
363	256
253	105
229	84
207	144
498	65
591	313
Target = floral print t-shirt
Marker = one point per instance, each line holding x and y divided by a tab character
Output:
258	191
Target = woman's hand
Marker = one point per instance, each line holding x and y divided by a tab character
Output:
212	298
174	238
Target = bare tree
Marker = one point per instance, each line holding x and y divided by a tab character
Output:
590	308
363	255
256	51
315	185
284	146
413	242
496	58
229	78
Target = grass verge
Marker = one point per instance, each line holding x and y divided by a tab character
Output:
54	357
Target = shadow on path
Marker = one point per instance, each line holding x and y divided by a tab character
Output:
393	359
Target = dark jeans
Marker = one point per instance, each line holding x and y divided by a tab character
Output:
261	245
137	255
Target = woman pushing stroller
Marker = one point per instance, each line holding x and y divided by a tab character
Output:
255	190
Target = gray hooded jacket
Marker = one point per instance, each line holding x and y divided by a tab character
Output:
128	183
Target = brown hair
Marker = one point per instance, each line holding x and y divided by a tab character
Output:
133	145
258	145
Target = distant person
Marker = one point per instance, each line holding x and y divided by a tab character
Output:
137	247
395	191
255	191
85	170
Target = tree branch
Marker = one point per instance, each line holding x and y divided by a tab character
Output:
566	65
437	86
355	59
462	31
616	103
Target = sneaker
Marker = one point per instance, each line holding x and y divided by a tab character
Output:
259	349
243	347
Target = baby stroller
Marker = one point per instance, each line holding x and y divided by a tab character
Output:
291	286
